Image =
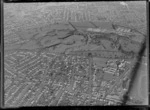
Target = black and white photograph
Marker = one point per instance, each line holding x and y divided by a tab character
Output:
75	54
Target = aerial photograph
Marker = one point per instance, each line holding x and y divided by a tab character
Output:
75	54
